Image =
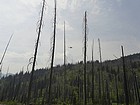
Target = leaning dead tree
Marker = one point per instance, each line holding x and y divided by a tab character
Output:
85	54
52	58
35	53
5	52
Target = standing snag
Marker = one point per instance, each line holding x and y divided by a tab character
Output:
125	79
52	59
93	73
4	54
64	65
35	53
85	65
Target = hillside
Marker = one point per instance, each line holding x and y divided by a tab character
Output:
106	88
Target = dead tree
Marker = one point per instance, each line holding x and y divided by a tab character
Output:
92	73
52	59
5	53
101	94
85	65
64	64
125	79
35	53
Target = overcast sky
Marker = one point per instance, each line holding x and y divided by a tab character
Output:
115	22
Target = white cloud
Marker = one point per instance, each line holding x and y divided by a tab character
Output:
31	3
62	4
67	26
105	21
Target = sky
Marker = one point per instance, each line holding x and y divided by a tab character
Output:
115	22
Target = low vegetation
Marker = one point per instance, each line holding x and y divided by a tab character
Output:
14	88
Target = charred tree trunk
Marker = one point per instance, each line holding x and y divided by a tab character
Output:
5	50
85	65
35	54
4	54
125	79
64	65
52	59
102	97
92	74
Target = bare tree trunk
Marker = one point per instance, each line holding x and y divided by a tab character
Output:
92	74
85	65
64	65
101	74
35	54
6	49
4	54
125	79
52	60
